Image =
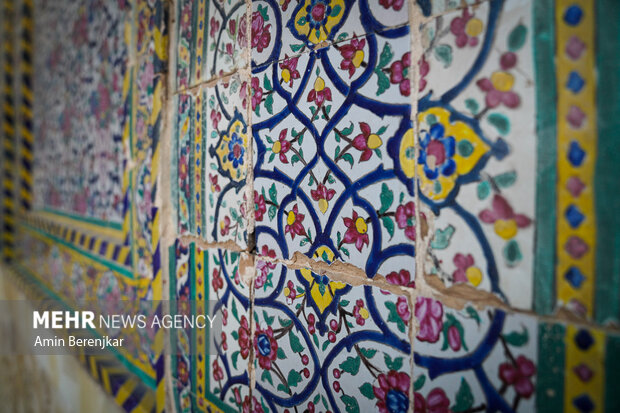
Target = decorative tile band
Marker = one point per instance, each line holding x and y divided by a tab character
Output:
8	135
25	129
576	145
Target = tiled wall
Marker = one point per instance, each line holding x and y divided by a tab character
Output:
389	204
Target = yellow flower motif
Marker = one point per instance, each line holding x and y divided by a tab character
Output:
407	154
231	149
374	141
361	226
290	218
502	81
358	58
315	19
276	147
474	27
506	228
286	75
447	151
319	84
322	294
474	275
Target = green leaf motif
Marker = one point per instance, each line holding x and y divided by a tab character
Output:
273	194
442	238
394	317
294	378
342	36
297	47
388	223
351	365
512	253
269	104
348	130
349	158
366	390
386	56
483	190
368	352
325	345
464	398
350	404
268	320
335	11
516	38
517	339
383	82
266	376
235	335
272	212
263	12
234	358
472	106
472	313
506	179
386	197
419	382
315	339
267	83
281	355
443	53
395	364
295	343
501	122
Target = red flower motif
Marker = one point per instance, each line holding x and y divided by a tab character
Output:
259	206
266	347
261	34
429	313
217	282
395	4
518	375
366	142
352	55
244	337
290	292
323	195
405	218
224	344
402	308
218	373
253	407
214	27
319	92
356	231
241	35
294	223
360	313
182	371
503	217
263	267
257	93
214	185
466	29
454	338
437	402
393	392
215	118
498	93
281	146
289	69
403	277
399	74
424	70
225	226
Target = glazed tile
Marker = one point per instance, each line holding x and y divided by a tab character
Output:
327	346
331	159
289	29
210	368
479	143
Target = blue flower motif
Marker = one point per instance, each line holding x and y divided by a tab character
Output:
236	150
437	152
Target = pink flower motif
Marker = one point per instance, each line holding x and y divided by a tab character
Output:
498	92
424	68
466	30
403	277
429	313
437	401
454	338
289	69
395	4
366	142
224	344
214	25
294	224
319	93
214	185
462	262
505	220
259	206
405	218
281	146
257	93
261	34
518	375
215	118
357	313
323	195
290	292
218	373
356	231
352	55
225	226
402	308
399	74
263	267
242	37
253	407
217	282
393	392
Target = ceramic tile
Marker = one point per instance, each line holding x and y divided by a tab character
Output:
478	142
474	360
151	32
288	29
435	7
212	141
212	40
210	369
332	138
322	345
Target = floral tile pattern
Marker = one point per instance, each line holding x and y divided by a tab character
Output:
474	360
333	153
212	139
211	370
323	345
477	82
